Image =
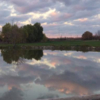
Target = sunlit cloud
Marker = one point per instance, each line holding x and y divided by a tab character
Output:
67	23
82	20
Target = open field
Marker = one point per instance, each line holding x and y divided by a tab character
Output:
93	43
67	43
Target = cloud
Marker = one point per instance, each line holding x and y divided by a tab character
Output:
14	93
53	11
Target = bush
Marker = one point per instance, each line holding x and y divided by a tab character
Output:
87	36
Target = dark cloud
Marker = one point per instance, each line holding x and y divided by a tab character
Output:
13	94
14	19
6	14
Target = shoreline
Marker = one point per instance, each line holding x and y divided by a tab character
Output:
76	48
91	97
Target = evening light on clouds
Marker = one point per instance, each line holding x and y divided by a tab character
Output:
58	17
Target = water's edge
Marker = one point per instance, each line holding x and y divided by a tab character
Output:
77	48
92	97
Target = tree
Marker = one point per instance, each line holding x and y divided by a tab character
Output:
34	32
5	32
12	34
87	35
97	35
44	39
28	33
0	38
39	34
6	28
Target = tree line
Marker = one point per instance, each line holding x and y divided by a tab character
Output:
25	34
89	35
85	36
34	33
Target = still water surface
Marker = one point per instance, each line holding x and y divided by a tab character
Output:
37	74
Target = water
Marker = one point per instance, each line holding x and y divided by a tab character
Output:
37	74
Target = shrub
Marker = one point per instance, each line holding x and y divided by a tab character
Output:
87	35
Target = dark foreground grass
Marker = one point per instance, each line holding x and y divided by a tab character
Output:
66	43
59	43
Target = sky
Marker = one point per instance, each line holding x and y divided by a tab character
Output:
59	18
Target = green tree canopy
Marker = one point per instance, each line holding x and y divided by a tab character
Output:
44	39
12	34
34	32
39	31
87	35
6	28
28	33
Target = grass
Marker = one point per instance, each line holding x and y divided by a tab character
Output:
59	43
66	43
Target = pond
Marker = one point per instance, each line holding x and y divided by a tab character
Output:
42	74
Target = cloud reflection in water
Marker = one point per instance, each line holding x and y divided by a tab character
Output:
71	76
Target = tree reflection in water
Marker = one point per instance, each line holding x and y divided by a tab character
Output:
10	55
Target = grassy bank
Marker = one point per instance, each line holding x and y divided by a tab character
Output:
65	43
59	43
